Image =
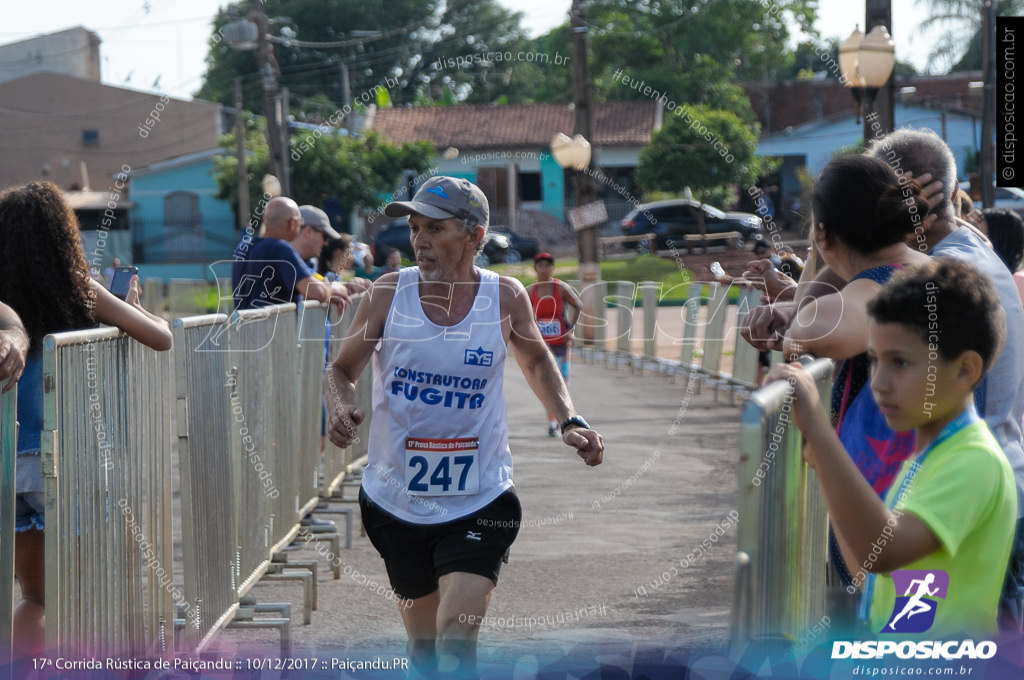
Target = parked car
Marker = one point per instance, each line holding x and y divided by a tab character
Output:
671	220
395	234
1010	198
523	247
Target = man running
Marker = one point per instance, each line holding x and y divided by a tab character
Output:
437	497
549	298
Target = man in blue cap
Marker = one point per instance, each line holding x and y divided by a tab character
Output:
437	497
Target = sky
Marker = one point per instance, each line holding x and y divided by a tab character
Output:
160	45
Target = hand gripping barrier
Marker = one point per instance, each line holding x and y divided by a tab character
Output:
106	455
8	446
782	539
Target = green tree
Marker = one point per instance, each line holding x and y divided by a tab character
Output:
704	149
415	35
359	171
959	47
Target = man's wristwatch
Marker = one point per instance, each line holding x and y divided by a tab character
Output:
574	421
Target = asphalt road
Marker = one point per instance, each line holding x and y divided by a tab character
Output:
605	562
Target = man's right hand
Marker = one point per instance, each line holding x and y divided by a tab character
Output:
765	276
764	326
13	350
342	424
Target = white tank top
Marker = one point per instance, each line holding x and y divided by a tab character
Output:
438	446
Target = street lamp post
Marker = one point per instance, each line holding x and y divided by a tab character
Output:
247	35
867	63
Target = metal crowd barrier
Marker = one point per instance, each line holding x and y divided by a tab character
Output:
8	447
106	454
340	464
782	538
208	462
700	352
312	327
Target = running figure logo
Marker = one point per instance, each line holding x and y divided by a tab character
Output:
912	612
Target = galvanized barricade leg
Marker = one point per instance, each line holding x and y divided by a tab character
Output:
745	357
106	451
649	298
624	299
690	325
598	321
783	529
714	331
264	348
207	430
8	447
312	352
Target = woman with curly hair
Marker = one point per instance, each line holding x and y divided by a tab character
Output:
44	277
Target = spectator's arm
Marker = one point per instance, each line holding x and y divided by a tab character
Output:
148	329
856	511
13	347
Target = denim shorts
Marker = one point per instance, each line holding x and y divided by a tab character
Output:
28	511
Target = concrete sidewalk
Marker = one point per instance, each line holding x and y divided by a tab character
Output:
606	556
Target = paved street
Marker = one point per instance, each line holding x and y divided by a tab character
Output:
601	560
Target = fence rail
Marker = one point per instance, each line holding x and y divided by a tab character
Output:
106	451
702	344
8	447
782	539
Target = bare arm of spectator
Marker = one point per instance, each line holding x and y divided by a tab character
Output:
129	316
13	347
776	285
313	289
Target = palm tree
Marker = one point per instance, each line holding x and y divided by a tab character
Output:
959	49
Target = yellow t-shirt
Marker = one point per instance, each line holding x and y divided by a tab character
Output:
965	492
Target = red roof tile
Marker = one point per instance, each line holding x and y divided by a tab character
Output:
515	126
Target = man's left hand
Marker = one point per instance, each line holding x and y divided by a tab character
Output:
588	444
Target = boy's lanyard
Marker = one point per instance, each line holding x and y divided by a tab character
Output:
968	417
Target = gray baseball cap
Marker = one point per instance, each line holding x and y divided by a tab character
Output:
442	197
313	216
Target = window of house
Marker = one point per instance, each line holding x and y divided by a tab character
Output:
529	186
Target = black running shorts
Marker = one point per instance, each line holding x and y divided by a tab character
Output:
417	555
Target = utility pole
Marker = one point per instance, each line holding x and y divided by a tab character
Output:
585	193
269	72
879	12
243	175
286	147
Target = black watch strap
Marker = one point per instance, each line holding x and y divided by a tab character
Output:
576	420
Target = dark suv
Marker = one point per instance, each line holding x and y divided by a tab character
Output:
672	220
395	234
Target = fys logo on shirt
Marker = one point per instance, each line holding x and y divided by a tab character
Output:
914	611
478	357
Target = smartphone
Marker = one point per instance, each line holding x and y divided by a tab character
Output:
122	280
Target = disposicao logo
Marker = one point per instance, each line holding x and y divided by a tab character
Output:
914	611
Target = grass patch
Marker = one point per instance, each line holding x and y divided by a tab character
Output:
675	282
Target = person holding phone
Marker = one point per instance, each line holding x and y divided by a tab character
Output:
39	232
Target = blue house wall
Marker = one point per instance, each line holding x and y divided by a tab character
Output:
816	142
148	190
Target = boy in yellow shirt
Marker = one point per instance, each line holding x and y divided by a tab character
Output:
933	333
